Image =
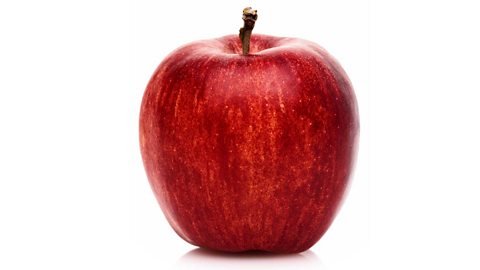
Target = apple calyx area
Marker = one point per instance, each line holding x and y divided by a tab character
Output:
249	18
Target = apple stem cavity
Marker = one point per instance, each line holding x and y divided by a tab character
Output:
249	18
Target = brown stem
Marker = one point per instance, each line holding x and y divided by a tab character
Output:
249	18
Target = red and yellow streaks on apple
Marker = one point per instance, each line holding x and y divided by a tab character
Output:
249	152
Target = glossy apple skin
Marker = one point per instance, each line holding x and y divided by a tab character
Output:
249	152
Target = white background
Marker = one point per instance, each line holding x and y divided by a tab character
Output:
73	193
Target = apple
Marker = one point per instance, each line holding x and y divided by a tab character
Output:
249	151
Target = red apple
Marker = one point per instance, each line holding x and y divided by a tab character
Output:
249	152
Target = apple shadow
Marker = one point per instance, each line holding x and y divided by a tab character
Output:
201	258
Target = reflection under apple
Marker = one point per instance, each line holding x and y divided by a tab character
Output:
200	258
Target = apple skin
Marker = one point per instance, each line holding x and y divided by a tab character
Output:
249	152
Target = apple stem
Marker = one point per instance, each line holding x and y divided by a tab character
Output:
249	18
